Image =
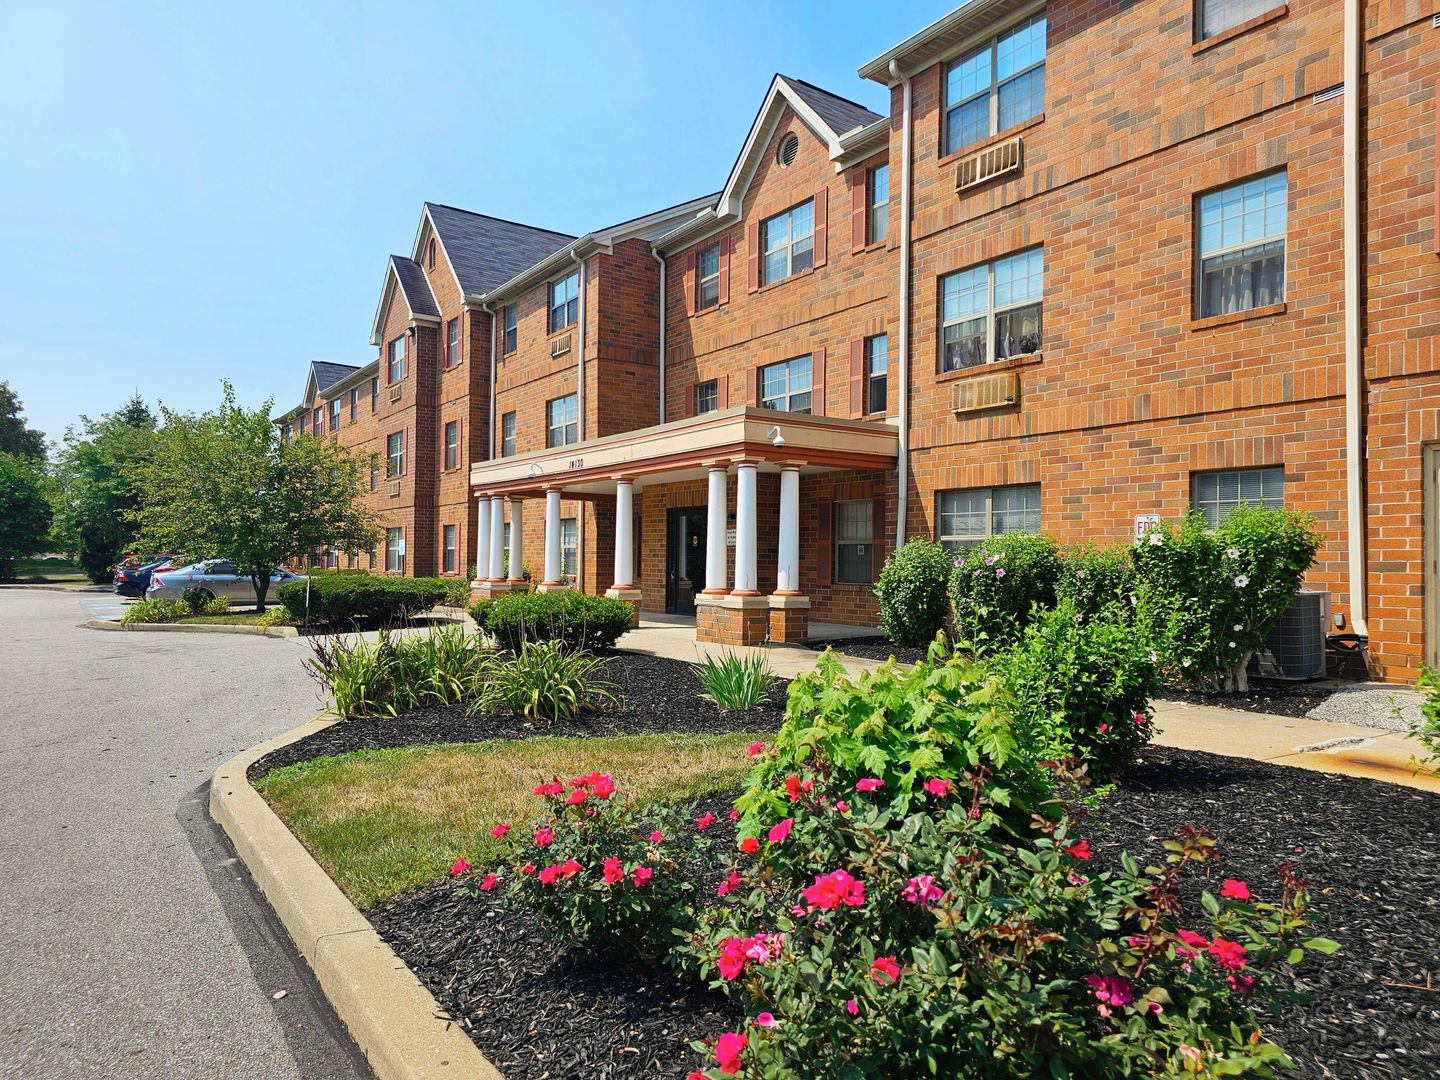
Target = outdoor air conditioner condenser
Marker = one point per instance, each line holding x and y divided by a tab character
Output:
1295	648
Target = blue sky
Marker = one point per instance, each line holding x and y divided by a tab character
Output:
202	191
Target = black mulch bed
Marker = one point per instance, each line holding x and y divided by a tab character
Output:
871	648
1277	699
657	695
1367	848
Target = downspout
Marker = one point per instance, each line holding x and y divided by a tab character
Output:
578	583
1354	355
661	260
902	456
490	427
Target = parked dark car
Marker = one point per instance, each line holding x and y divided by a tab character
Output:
134	580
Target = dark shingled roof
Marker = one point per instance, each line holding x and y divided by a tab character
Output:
417	289
328	374
841	114
486	251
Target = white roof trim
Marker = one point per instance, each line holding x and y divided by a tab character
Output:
387	294
427	223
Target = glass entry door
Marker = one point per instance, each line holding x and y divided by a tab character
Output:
684	558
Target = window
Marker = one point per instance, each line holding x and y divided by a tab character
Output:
787	243
317	424
396	369
375	394
1242	246
568	546
335	415
1217	16
1215	494
564	302
877	362
511	324
998	85
968	517
992	311
395	454
452	444
707	277
447	550
854	533
786	386
877	205
707	396
286	433
430	253
374	475
452	343
507	435
561	428
395	550
354	403
332	558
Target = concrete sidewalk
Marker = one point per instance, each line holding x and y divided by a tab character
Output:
673	637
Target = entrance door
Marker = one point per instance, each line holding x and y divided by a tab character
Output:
684	558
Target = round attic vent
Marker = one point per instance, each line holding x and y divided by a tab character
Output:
789	147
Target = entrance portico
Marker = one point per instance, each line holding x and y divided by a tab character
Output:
727	487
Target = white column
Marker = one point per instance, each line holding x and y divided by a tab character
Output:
517	534
624	534
552	537
746	580
482	537
497	539
715	534
787	577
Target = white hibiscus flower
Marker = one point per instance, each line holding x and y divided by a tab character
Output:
1241	581
1232	553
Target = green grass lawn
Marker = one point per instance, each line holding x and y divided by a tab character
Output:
49	571
233	618
382	822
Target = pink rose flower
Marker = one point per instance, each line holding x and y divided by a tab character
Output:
488	882
642	875
727	1052
460	866
554	787
884	970
656	836
833	890
499	830
544	837
1078	850
869	783
780	831
842	807
939	787
765	1020
730	884
704	821
756	749
612	872
576	797
1234	890
852	1008
750	845
922	890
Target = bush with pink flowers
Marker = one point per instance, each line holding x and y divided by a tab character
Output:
878	936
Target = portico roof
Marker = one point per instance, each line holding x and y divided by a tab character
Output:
686	449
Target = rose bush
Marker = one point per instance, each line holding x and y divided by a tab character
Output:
995	586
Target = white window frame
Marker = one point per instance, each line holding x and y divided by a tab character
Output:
569	546
958	541
317	424
797	248
452	444
1231	13
995	85
707	396
452	343
782	400
395	550
1271	477
992	312
507	434
1258	187
861	537
374	476
511	327
334	419
448	555
394	459
395	359
877	211
375	393
565	423
707	281
875	389
565	301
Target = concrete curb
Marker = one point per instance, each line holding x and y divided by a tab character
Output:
194	628
398	1025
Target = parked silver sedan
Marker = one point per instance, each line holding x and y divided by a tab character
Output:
216	576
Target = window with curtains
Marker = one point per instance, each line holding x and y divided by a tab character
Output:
447	550
317	423
877	363
1216	16
854	535
507	435
395	454
992	311
707	277
452	444
395	550
395	370
564	301
966	517
877	204
512	323
1241	246
787	243
785	386
996	86
1215	494
452	343
375	394
561	421
707	396
569	546
335	415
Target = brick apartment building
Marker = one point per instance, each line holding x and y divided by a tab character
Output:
1094	262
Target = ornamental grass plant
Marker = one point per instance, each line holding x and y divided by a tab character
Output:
735	683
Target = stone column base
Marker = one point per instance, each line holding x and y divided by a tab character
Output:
547	586
488	590
789	619
732	620
627	596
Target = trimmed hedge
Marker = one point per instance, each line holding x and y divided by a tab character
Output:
351	597
911	590
577	619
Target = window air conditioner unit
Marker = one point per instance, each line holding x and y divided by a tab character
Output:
986	392
998	160
560	346
392	488
1295	648
395	392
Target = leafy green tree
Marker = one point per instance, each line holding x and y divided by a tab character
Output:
16	437
24	511
224	484
96	486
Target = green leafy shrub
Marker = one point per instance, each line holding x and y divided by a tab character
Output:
392	675
457	593
342	597
576	619
1079	687
1096	579
734	683
912	591
154	611
1427	729
600	872
994	587
275	616
1213	595
195	598
548	682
